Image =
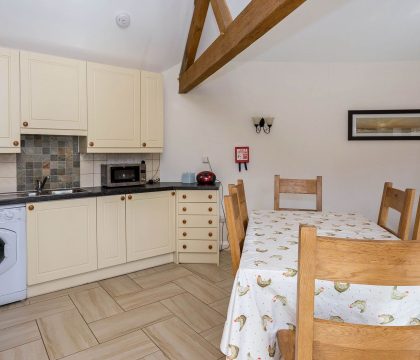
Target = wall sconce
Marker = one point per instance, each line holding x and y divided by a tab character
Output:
263	123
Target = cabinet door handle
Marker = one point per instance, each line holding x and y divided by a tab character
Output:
130	197
173	193
184	246
91	143
184	209
184	196
210	222
184	234
25	124
210	247
210	209
210	196
31	207
184	221
210	234
15	143
122	198
144	144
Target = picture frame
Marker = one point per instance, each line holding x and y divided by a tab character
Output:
384	124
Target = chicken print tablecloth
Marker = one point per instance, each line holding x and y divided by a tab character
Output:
263	297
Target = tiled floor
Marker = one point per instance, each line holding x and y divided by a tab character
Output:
168	312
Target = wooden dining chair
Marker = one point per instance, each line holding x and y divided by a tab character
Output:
416	233
297	186
387	263
401	201
236	233
239	189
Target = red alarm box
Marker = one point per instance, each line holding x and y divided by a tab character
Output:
242	156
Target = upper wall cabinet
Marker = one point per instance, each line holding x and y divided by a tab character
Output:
9	101
151	110
53	95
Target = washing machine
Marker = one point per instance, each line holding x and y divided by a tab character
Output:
12	253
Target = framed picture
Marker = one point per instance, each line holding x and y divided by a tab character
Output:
384	125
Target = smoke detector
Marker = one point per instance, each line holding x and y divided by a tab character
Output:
123	20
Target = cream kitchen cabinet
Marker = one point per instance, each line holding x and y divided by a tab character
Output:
53	95
150	220
114	109
111	234
61	237
9	101
151	110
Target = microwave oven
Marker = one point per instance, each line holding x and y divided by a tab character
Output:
115	175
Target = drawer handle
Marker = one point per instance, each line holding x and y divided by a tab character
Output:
210	209
184	196
91	143
210	222
173	193
184	246
130	197
15	143
122	198
210	196
25	124
184	221
184	234
184	209
31	207
210	247
144	144
210	234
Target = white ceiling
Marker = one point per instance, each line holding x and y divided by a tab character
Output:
320	30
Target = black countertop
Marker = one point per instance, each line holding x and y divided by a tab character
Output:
17	198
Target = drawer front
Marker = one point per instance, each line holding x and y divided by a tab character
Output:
197	196
198	233
197	246
198	209
197	221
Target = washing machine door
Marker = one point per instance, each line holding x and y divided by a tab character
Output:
8	250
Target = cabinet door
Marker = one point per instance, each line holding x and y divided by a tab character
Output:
53	91
61	237
9	101
150	224
151	110
114	106
111	231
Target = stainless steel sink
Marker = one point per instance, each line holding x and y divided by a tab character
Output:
50	192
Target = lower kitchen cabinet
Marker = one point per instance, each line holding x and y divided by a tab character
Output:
150	221
61	237
112	249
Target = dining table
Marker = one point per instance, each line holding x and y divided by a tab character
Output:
264	294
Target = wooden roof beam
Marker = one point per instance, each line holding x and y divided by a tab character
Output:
222	14
196	28
258	17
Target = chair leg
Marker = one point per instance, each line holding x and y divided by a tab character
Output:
286	341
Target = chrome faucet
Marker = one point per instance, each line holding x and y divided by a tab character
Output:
40	184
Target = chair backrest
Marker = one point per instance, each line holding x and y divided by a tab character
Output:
297	186
239	189
401	201
371	262
236	233
416	233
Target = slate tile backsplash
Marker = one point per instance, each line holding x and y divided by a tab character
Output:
48	155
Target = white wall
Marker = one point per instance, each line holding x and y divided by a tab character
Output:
309	102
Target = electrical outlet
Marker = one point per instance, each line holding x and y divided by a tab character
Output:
205	159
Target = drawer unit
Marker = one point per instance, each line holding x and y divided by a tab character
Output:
198	226
198	208
197	233
202	196
198	221
192	246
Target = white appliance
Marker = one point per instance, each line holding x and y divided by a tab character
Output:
12	253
